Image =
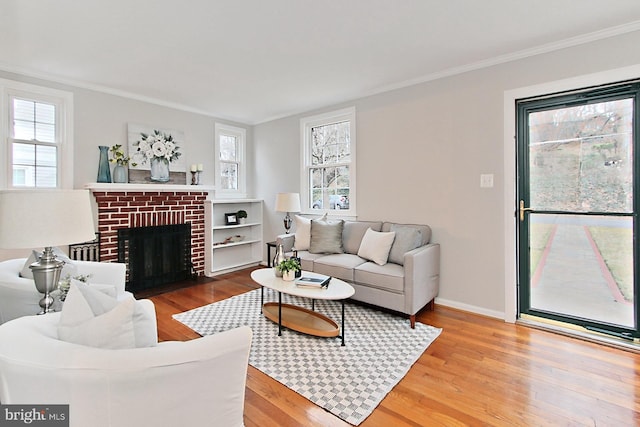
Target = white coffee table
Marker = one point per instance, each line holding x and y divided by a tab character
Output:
299	318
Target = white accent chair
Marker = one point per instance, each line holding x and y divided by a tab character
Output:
19	296
193	383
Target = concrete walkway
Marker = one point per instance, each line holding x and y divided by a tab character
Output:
574	280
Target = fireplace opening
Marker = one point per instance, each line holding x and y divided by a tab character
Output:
155	256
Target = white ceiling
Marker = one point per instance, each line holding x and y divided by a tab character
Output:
255	60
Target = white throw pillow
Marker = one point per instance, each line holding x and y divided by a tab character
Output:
303	233
26	271
105	289
92	318
68	268
113	329
375	246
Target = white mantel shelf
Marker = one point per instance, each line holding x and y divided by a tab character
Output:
99	186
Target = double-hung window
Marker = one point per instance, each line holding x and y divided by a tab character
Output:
36	137
230	161
329	162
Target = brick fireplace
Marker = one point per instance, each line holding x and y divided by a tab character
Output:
120	207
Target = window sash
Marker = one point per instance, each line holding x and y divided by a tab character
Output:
38	120
328	162
230	146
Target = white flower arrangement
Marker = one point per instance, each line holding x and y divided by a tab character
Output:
157	145
65	283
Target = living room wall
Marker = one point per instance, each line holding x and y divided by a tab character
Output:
420	153
101	119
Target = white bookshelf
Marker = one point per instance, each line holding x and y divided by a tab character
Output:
225	257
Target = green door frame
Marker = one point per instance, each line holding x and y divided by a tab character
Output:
524	107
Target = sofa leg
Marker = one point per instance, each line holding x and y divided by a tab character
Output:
432	304
412	319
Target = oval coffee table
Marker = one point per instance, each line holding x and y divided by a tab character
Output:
299	318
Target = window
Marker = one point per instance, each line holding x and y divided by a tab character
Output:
230	167
36	136
328	163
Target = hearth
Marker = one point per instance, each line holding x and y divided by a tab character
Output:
155	255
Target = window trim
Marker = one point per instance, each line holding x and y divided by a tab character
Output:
241	135
306	124
64	130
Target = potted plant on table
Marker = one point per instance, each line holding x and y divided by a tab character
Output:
242	216
289	267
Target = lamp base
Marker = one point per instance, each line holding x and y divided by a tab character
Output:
46	274
287	223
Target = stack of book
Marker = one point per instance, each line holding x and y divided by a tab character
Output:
313	282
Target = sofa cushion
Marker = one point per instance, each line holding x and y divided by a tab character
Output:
303	233
92	318
388	277
307	259
326	236
407	239
353	233
340	266
425	230
375	246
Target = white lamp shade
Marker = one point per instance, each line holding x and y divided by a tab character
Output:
35	219
288	202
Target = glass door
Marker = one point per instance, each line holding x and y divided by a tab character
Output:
577	208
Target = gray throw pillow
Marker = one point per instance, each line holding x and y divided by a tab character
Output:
326	236
407	239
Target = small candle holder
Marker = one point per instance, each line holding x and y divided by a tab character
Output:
196	169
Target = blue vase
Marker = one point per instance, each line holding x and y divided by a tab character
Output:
104	172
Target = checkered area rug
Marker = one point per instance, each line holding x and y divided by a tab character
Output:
347	381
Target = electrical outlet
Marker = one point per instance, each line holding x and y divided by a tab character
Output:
486	180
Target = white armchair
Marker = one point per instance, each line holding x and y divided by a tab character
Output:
194	383
19	296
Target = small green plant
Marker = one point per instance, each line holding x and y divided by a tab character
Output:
241	214
119	157
289	264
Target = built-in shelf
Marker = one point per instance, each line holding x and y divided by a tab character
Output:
222	258
228	227
243	242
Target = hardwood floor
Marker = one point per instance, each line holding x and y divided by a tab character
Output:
479	372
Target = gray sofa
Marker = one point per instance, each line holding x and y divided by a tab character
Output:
406	283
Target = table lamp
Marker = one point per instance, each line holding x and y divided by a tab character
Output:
287	202
44	219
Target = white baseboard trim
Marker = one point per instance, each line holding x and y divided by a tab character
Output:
470	308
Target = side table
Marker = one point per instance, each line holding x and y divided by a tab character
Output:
269	259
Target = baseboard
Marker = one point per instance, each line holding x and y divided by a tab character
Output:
470	308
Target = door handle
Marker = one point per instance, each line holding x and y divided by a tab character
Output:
523	209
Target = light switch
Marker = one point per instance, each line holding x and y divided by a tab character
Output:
486	180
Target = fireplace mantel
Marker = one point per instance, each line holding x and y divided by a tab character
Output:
110	187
